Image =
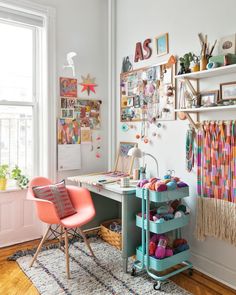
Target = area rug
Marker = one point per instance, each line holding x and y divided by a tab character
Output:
89	276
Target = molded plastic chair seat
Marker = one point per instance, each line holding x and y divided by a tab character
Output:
78	219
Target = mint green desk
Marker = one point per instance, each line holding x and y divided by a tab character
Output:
130	206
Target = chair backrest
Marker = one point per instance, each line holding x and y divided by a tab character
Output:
45	210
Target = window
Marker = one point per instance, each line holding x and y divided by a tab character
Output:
19	77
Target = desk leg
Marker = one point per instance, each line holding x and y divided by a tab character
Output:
130	233
125	265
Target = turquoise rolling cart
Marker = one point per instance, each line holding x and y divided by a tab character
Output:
151	264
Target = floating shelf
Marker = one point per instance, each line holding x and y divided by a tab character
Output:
207	109
224	70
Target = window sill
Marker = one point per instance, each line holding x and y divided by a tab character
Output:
12	190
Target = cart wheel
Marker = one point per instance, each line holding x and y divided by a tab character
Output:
190	272
133	272
157	286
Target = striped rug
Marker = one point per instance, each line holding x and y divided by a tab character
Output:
89	276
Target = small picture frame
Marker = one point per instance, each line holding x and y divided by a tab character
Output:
67	113
162	44
228	91
209	98
227	45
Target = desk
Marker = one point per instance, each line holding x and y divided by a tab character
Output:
130	205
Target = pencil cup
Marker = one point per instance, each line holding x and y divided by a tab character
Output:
203	63
124	182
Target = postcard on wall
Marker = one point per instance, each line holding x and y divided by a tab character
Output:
88	113
67	113
86	135
68	131
68	87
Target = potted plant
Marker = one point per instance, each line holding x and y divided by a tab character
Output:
185	62
4	170
21	180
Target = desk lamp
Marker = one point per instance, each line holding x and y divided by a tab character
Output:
137	153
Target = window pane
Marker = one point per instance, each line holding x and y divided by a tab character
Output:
16	62
16	132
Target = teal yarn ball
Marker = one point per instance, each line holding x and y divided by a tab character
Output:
172	185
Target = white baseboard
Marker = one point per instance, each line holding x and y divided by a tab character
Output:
219	272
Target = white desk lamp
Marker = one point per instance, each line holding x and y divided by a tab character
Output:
137	153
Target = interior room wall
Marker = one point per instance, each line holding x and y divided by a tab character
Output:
138	20
81	26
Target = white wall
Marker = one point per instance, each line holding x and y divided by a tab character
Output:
138	20
81	26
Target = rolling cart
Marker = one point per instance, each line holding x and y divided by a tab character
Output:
153	265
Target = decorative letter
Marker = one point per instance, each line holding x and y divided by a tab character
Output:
138	52
147	48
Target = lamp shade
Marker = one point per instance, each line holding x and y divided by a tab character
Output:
135	152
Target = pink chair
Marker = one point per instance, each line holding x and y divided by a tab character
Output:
46	211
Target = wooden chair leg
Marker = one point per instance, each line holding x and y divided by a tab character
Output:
40	246
86	242
67	253
60	237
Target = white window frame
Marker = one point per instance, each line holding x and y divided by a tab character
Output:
45	152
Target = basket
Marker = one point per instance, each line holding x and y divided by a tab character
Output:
109	236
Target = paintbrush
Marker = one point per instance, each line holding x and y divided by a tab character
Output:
212	48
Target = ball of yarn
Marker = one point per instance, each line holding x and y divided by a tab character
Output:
181	208
146	185
160	220
179	214
142	182
167	176
166	181
169	252
181	248
174	204
155	238
162	209
152	248
172	185
160	187
181	184
169	216
178	242
177	179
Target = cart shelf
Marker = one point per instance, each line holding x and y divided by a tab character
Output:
164	227
161	197
163	264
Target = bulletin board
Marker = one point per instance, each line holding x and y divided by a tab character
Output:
148	93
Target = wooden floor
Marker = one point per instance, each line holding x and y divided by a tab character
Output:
14	282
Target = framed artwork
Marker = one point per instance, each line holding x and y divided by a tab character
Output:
148	93
227	45
67	113
209	97
228	91
68	87
162	44
124	163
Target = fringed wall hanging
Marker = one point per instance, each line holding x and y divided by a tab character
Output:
216	181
